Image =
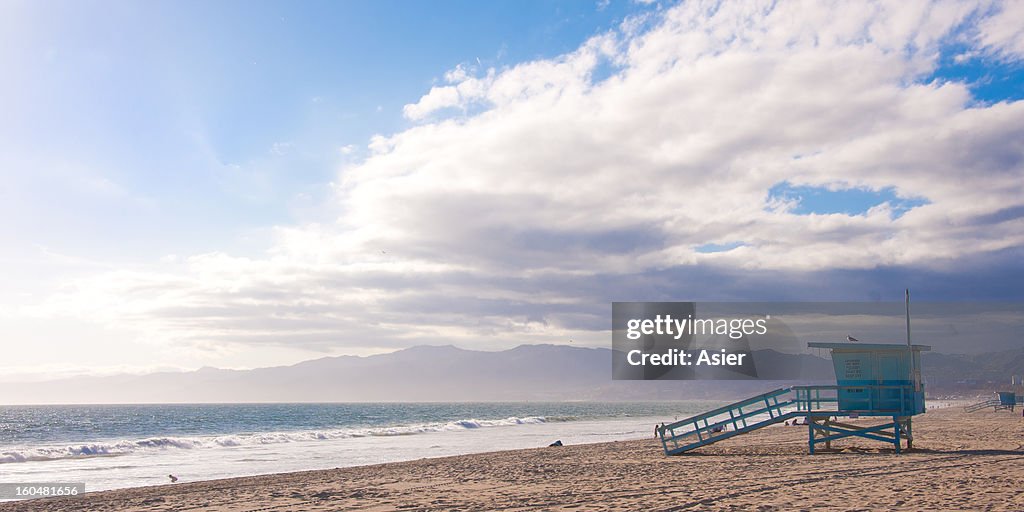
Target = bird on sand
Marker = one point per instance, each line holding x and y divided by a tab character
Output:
173	478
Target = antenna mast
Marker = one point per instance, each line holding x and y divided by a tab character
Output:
915	370
908	317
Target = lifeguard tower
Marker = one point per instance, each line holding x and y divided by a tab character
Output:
872	380
1007	400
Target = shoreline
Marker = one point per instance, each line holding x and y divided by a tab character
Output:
960	462
147	462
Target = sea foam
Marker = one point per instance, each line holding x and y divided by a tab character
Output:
124	447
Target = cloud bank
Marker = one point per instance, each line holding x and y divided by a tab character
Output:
520	201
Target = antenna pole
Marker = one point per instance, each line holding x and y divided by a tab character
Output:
908	317
915	371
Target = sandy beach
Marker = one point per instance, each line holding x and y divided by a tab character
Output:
960	462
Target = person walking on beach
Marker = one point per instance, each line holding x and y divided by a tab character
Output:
659	430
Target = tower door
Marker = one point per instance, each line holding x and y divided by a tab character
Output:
889	375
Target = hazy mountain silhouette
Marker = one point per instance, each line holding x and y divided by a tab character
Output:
447	373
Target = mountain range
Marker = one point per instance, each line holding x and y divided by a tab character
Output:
448	373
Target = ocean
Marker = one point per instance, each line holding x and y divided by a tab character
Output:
118	446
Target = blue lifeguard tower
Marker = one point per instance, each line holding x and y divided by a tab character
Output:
872	380
1007	400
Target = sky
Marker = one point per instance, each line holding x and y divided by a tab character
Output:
246	184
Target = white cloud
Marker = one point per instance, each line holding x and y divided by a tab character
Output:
438	98
1003	32
457	74
565	188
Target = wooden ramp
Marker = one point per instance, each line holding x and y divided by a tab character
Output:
981	405
728	421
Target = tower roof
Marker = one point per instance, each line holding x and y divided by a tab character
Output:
867	346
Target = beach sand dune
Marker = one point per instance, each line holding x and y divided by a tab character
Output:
960	462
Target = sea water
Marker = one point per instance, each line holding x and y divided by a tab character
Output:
118	446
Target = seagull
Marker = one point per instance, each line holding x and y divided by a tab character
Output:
851	338
173	478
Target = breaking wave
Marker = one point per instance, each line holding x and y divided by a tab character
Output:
124	447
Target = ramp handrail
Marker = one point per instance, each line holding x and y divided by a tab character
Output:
727	408
981	405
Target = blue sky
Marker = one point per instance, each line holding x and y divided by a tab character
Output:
221	117
242	184
991	80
